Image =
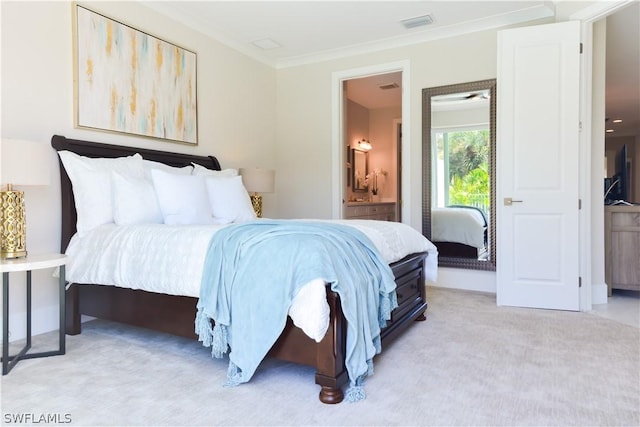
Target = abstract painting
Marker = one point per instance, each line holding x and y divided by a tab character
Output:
128	81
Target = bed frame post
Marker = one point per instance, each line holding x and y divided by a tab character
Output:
331	372
72	301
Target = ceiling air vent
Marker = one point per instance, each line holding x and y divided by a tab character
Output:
386	86
418	21
266	44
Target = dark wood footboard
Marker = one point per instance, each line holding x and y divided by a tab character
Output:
175	315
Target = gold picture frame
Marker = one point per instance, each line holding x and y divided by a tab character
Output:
128	81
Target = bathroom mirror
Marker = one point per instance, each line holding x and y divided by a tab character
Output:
458	173
359	170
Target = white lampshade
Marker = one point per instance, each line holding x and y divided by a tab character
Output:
23	162
258	180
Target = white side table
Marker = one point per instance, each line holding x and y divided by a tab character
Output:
27	264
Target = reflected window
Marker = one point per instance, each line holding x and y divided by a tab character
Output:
461	172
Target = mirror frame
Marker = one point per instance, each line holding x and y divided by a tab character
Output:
427	93
354	184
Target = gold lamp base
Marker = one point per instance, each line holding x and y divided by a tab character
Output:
12	225
256	201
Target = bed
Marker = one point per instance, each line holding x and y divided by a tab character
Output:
459	231
175	314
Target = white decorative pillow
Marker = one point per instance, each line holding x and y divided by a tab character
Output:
229	200
201	170
91	182
150	164
182	198
134	201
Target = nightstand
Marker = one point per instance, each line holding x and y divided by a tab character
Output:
28	264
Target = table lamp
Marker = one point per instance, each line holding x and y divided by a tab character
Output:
257	181
22	163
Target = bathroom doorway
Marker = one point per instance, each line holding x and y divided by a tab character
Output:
371	123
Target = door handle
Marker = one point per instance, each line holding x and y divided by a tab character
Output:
508	201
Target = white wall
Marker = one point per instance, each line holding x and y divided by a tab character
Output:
236	115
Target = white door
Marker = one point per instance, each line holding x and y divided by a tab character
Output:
537	166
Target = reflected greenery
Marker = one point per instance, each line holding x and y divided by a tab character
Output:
467	167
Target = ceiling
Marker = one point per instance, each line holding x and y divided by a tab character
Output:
375	92
312	31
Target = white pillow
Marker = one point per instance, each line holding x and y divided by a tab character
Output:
91	182
182	198
134	201
229	200
201	170
150	164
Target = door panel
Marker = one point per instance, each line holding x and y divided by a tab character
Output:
537	160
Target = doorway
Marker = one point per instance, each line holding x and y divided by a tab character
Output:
592	147
621	134
368	105
373	107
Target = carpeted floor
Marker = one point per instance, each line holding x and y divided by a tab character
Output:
470	363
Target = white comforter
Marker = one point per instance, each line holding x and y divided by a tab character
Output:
169	259
458	225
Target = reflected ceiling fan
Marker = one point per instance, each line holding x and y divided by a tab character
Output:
462	96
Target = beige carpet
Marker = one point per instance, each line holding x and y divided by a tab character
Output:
470	363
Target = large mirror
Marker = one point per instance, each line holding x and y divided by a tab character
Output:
458	173
360	170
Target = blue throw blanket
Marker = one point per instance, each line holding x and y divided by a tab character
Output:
254	270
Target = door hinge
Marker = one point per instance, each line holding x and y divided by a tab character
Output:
579	204
579	281
580	47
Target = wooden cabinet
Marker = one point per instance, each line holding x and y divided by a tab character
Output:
364	210
622	247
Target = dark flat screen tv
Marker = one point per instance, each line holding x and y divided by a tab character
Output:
617	187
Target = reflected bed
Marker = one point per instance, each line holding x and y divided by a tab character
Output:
459	231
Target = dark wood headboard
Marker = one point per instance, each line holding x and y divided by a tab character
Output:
94	149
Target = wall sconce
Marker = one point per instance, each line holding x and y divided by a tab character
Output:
364	145
257	181
22	163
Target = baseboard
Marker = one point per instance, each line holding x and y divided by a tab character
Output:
43	320
470	280
599	293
